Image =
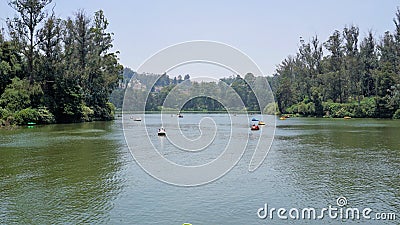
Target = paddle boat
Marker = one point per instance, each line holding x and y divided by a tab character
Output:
254	127
347	117
31	124
261	123
282	118
137	119
254	119
161	132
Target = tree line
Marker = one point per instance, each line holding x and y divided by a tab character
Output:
54	69
182	94
358	77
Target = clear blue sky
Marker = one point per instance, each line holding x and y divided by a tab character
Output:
267	31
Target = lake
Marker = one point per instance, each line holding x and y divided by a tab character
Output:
85	173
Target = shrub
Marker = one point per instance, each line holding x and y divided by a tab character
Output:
339	110
368	107
293	109
110	113
396	115
272	109
104	113
87	113
9	121
16	96
358	112
310	108
304	108
301	108
26	115
4	113
45	116
342	112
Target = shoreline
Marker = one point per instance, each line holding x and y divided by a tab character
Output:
118	113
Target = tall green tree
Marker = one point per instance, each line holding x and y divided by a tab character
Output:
396	36
103	69
10	62
369	62
351	63
23	28
310	57
285	92
334	46
50	61
357	79
67	64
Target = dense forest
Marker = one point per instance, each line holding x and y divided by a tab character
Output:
357	77
343	76
53	69
62	70
160	92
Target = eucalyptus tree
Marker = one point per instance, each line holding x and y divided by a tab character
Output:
369	63
396	37
10	62
23	28
310	56
352	62
285	95
385	77
50	67
334	46
103	68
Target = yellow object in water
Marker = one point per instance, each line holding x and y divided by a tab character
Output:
261	123
282	118
347	117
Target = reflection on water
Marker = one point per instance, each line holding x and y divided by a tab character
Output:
59	173
83	173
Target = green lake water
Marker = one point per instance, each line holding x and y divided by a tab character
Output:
84	173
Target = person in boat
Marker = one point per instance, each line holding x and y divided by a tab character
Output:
255	127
